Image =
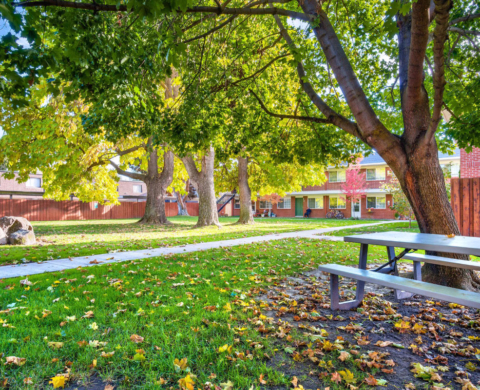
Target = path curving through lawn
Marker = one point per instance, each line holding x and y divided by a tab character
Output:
21	270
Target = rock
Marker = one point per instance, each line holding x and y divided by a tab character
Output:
22	237
12	224
3	237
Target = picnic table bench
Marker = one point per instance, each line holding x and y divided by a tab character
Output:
405	288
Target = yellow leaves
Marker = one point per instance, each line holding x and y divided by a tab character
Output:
227	307
455	306
297	357
425	373
470	366
226	348
15	360
58	381
107	354
328	346
419	329
402	326
55	344
186	383
93	326
348	376
181	364
136	338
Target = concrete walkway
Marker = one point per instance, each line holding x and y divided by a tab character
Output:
12	271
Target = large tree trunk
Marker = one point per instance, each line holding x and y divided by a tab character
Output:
413	157
207	208
246	212
157	184
424	185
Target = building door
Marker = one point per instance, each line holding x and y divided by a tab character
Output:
299	207
356	209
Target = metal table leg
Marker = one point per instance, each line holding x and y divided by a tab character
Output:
399	294
334	286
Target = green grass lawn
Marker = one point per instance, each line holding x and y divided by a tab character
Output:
197	306
61	239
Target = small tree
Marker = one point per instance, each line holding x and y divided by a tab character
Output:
400	201
355	183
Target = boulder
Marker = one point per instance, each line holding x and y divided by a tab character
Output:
12	224
3	237
22	237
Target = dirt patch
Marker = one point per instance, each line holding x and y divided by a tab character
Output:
383	338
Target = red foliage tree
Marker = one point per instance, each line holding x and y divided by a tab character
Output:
355	183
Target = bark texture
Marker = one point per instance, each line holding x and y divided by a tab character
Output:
246	212
207	208
413	157
157	184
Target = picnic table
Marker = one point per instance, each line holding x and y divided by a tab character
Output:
405	288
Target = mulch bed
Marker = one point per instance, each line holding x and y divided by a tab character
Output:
380	341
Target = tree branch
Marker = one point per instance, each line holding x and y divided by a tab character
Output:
333	117
464	19
442	13
208	10
418	48
296	117
131	175
229	20
191	168
129	150
464	32
261	69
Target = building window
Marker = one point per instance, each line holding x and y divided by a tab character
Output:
315	203
284	203
376	174
376	202
336	176
137	188
265	204
237	204
34	182
337	202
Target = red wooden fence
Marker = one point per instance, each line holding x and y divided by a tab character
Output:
465	201
50	210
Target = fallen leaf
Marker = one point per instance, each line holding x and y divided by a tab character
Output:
55	344
136	338
371	381
336	377
15	360
28	381
58	381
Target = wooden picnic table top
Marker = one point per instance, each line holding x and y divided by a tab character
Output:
430	242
